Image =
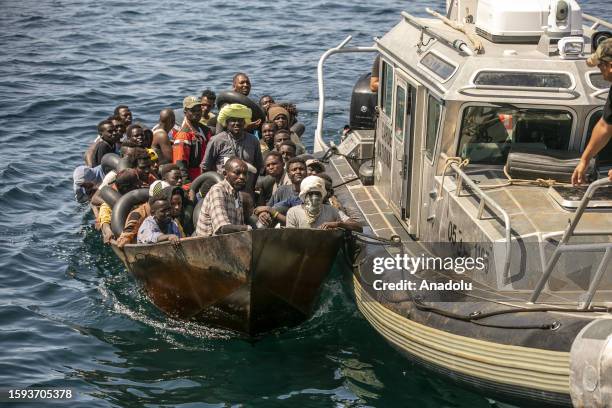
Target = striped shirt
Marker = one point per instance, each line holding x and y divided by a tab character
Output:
222	206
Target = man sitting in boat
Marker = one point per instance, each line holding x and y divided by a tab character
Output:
288	150
234	141
86	181
126	181
602	132
314	167
141	161
123	112
159	226
266	144
161	140
207	100
222	209
106	143
275	176
191	141
296	169
280	117
313	213
265	102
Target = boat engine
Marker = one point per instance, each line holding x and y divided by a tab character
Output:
363	104
591	365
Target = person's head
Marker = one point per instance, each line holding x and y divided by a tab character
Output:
279	116
119	127
207	100
281	136
160	209
141	162
106	130
135	135
127	180
123	113
167	119
314	167
176	197
234	117
267	132
241	83
85	183
312	192
602	59
235	172
296	169
172	174
287	150
274	164
192	109
265	102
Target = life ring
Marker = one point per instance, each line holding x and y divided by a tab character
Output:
109	162
298	128
234	97
109	195
204	182
124	205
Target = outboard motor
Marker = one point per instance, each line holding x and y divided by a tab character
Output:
363	104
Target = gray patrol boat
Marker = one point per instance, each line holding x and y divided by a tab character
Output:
466	152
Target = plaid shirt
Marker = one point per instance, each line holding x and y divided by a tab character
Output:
222	206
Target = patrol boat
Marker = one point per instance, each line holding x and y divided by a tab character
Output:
464	156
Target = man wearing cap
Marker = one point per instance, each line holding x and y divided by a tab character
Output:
602	132
191	141
234	141
86	181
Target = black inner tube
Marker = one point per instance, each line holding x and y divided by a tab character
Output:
124	205
204	182
235	97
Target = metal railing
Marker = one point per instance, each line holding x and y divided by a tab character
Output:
596	22
564	247
486	201
320	144
474	87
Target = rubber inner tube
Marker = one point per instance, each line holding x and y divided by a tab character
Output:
196	213
204	182
235	97
298	128
123	163
124	205
109	162
110	196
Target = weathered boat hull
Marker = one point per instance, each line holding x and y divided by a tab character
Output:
249	282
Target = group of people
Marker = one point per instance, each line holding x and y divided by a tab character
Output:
267	179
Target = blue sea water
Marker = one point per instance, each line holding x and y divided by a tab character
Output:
70	317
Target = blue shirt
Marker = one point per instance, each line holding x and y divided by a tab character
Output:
288	203
149	232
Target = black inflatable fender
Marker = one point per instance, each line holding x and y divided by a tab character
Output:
109	195
122	164
298	128
109	162
124	205
205	181
196	213
235	97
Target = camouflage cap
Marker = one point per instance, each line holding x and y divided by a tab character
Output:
190	101
602	54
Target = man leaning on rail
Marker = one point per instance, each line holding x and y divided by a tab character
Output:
602	58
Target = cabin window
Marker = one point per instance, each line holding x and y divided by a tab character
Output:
529	79
604	157
488	132
387	90
438	66
434	109
597	81
400	113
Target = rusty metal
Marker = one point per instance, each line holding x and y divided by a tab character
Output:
249	282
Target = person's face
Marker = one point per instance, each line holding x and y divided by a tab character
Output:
606	70
280	138
242	85
274	166
176	205
236	176
266	101
313	201
137	136
297	172
207	105
174	178
119	127
267	133
144	168
281	121
162	212
107	132
126	116
194	114
311	171
287	152
235	125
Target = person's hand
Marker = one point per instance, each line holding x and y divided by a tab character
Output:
192	196
265	218
262	208
253	125
578	174
107	235
610	175
329	225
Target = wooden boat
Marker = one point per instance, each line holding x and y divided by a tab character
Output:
249	282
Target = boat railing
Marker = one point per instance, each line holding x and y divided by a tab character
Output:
320	144
465	90
564	247
486	201
596	22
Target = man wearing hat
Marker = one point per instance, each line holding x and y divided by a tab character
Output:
191	141
602	132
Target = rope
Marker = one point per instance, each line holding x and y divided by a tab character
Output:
459	161
395	240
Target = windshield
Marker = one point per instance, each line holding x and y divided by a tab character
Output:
488	132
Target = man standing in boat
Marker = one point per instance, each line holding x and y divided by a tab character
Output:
222	209
602	58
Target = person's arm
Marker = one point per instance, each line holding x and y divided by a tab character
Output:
229	228
161	139
343	221
602	132
104	220
375	78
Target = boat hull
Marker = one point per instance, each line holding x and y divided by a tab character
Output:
249	282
